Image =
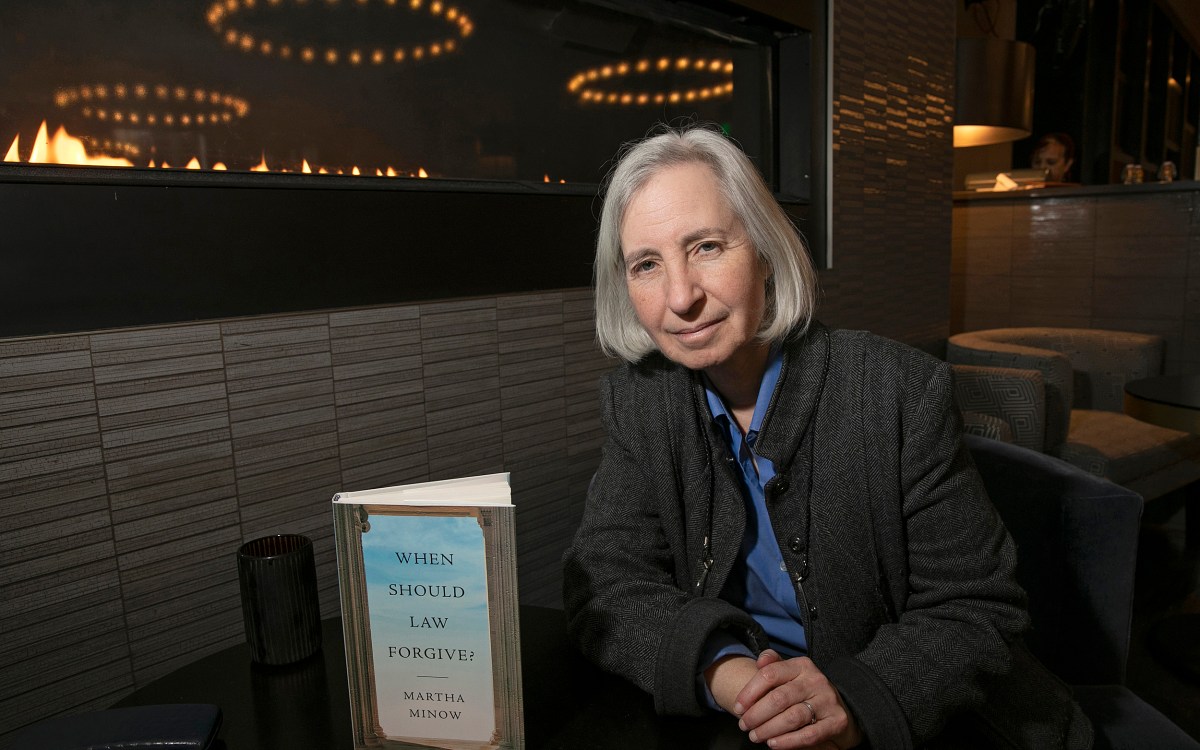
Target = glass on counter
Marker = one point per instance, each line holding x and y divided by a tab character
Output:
1133	174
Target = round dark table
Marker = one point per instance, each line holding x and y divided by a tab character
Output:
568	703
1173	401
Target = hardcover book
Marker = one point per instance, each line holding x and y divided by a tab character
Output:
428	581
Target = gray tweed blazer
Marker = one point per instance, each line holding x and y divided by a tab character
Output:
902	568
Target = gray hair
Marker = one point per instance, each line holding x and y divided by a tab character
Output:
792	283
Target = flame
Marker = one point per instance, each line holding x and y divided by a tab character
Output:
41	146
63	149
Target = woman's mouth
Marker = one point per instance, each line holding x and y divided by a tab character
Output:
695	332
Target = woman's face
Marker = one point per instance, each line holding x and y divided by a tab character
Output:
697	285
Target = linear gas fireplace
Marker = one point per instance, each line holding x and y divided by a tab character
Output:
190	159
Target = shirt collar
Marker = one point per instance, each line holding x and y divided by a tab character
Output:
765	389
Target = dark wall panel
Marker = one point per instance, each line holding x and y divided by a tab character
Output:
122	250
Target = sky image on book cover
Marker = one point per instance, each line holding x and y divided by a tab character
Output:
427	593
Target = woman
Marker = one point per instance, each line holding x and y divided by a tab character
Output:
783	525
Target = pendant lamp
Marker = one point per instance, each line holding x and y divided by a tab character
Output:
994	94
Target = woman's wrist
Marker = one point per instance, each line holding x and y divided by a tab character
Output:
727	676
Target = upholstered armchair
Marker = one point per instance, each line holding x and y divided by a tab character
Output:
1082	377
1076	538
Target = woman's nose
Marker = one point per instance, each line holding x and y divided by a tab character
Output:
683	291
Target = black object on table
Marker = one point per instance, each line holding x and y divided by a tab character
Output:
1173	401
569	703
174	726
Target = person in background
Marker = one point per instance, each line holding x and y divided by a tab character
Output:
1055	153
784	525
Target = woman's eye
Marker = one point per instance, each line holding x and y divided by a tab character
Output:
707	247
642	267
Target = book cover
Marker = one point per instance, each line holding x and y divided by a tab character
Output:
428	582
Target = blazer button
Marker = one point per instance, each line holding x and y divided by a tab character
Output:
781	485
812	612
796	544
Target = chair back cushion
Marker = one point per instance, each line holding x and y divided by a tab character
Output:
1102	361
1018	397
994	349
1076	538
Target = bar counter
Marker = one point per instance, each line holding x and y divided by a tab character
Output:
1078	191
1115	257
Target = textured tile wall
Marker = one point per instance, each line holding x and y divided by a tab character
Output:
1122	261
167	441
378	383
893	111
134	463
62	625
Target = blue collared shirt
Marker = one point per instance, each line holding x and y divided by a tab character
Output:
759	583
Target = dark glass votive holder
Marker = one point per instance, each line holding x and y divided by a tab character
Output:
280	609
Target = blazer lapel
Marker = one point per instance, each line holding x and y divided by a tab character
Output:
794	403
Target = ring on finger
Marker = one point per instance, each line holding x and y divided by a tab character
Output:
812	713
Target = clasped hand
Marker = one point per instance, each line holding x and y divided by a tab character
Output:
786	703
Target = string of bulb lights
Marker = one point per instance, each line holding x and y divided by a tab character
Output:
221	14
152	105
601	85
